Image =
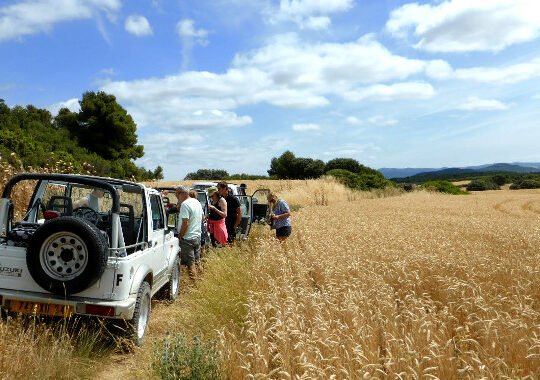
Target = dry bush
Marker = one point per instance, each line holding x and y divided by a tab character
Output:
54	350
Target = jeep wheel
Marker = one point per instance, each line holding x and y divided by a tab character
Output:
66	255
172	287
141	315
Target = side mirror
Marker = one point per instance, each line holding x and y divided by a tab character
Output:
255	200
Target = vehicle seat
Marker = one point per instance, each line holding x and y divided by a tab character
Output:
127	220
61	204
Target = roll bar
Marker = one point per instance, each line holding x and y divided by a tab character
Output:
93	182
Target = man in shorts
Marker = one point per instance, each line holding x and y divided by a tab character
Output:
189	225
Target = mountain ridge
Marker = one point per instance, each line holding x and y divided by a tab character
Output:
515	167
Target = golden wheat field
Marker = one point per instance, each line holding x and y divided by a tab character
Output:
381	285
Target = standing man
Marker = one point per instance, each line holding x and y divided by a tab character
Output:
189	224
234	213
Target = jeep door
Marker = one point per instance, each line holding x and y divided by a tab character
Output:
158	259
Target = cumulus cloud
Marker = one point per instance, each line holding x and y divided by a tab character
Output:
285	73
397	91
497	75
476	104
71	104
298	65
464	25
307	14
186	30
138	26
306	127
35	16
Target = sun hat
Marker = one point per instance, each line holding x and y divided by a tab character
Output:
211	191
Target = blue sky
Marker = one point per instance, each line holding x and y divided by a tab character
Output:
229	84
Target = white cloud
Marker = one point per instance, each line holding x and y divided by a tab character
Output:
71	104
186	30
307	14
398	91
536	96
31	17
285	73
306	127
476	104
497	75
292	63
138	26
195	151
382	121
464	25
351	150
353	120
316	23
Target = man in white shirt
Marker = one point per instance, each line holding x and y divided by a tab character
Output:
189	225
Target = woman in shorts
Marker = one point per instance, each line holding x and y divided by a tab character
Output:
280	216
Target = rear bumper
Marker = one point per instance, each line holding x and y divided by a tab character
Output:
122	309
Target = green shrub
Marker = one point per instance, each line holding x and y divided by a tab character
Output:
363	181
526	184
500	179
482	185
442	187
178	358
346	177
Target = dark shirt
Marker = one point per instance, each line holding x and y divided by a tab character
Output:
232	205
212	215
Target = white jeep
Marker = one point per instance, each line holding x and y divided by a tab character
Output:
80	251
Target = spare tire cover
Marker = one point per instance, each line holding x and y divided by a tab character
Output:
67	255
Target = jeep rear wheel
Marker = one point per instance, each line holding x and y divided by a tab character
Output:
66	255
141	315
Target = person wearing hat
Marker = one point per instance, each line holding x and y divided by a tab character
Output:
217	212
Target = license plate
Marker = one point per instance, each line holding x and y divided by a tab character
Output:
39	308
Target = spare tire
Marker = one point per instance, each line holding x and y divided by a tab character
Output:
67	255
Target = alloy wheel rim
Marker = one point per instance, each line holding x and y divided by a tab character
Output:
143	316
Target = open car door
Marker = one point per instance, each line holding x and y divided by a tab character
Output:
254	208
260	204
246	205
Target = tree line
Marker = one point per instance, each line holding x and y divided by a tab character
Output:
100	139
287	166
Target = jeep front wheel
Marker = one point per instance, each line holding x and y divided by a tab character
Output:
66	255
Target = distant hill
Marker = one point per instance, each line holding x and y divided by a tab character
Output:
406	172
515	167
